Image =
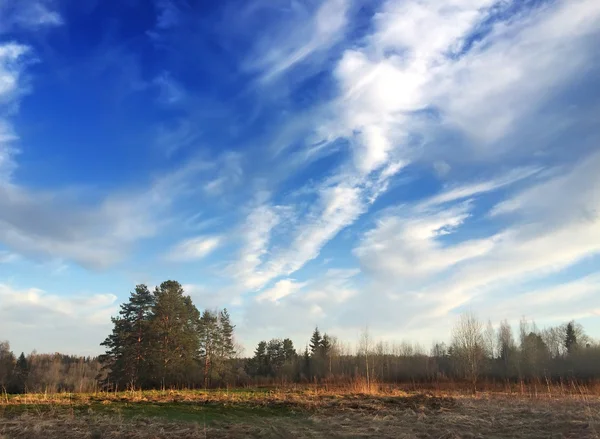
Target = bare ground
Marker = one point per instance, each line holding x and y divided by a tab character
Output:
303	416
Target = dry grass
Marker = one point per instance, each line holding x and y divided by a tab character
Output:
299	413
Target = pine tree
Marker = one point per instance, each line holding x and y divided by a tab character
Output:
174	328
209	343
570	338
227	346
125	360
315	343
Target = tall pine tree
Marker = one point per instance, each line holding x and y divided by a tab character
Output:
174	335
125	362
210	338
227	347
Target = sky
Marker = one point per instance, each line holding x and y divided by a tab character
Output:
351	164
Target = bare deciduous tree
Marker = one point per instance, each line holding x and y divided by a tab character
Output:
468	347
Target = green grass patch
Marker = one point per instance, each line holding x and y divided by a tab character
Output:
203	413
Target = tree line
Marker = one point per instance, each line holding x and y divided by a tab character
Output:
46	373
161	340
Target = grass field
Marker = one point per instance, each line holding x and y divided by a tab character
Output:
297	413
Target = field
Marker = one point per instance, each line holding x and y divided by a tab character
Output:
298	413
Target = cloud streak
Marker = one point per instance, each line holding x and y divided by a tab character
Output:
194	248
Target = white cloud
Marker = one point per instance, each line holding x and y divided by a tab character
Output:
406	243
51	323
320	301
29	15
337	206
61	225
491	88
414	61
551	230
305	32
256	233
399	71
13	58
281	289
466	191
408	247
194	248
565	301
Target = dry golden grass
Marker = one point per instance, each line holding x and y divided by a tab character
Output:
299	413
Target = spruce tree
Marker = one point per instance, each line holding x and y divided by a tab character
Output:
258	364
288	350
315	343
325	347
21	373
325	351
306	363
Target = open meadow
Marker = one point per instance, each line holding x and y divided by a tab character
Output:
299	413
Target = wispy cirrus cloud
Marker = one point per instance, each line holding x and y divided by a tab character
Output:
13	61
439	152
30	15
281	289
399	85
194	248
304	30
540	241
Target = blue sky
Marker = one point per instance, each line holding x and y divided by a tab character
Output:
338	163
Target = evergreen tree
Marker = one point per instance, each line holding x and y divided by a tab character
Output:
227	347
21	373
127	347
275	356
288	350
570	338
258	364
325	351
210	336
315	343
174	328
306	362
223	364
